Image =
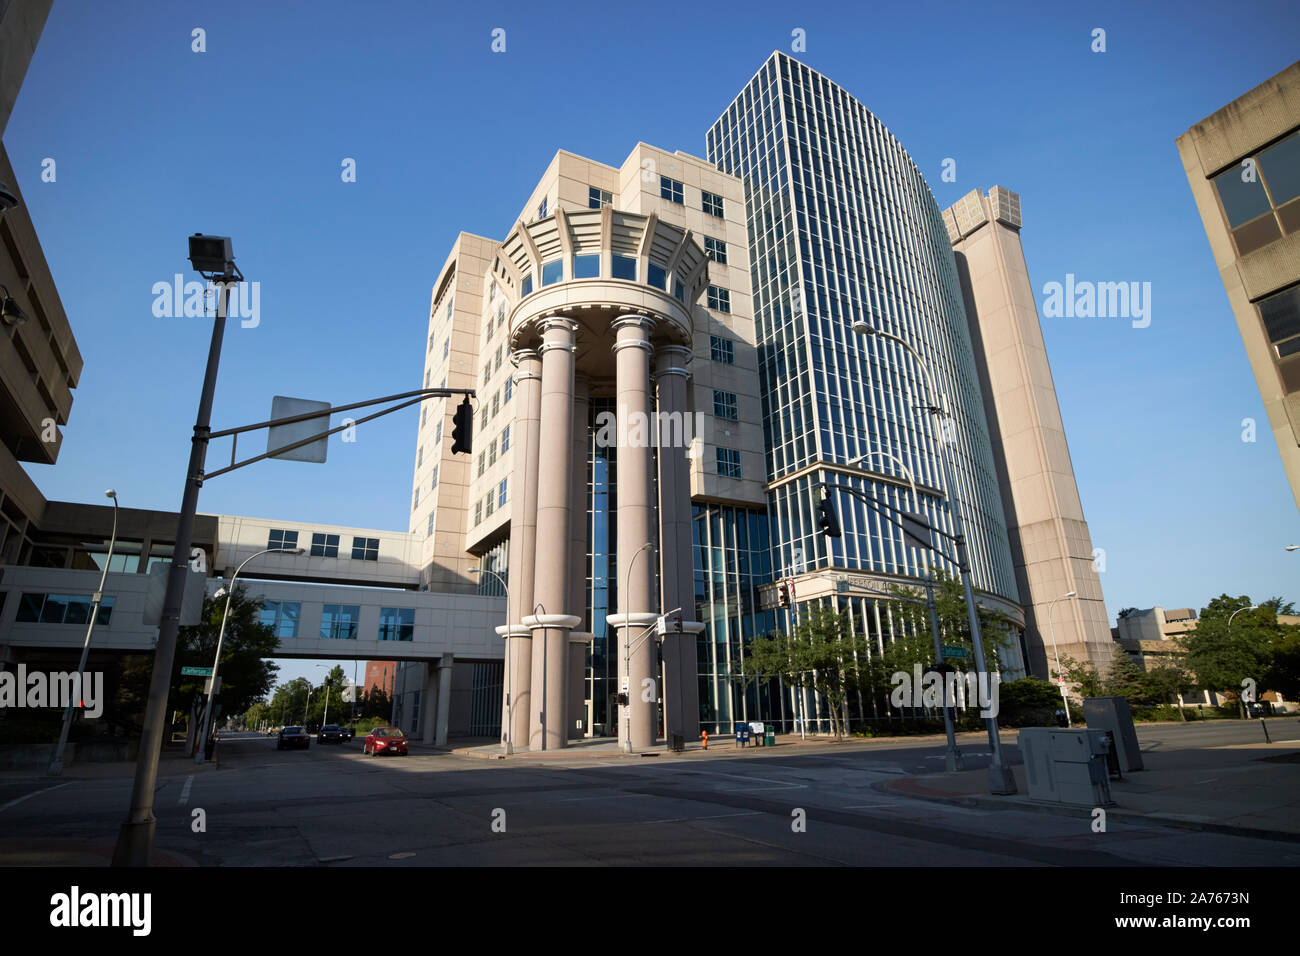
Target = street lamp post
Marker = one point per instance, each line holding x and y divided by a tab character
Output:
1001	779
210	255
507	748
1253	607
221	635
627	649
56	764
952	756
1051	630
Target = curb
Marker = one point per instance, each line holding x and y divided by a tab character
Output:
1128	816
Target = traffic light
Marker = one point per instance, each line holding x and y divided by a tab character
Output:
462	428
826	520
783	595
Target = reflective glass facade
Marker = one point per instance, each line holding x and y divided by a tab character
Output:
843	227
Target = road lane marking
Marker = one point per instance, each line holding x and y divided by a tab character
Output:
716	816
185	790
34	793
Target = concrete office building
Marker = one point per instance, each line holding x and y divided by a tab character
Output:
1243	164
613	356
1051	547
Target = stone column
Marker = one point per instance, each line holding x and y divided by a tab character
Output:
430	704
445	664
525	445
551	621
636	527
676	561
579	518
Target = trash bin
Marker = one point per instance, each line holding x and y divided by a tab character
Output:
770	736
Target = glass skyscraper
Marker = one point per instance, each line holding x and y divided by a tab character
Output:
842	227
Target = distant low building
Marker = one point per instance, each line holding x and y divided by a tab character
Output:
1151	637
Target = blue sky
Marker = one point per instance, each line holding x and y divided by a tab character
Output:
153	142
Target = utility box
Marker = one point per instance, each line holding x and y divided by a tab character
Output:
1066	766
1112	715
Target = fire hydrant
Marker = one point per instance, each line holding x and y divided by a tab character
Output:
704	737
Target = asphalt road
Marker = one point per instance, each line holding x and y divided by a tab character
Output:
330	805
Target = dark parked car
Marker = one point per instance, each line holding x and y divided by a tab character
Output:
331	734
385	740
293	738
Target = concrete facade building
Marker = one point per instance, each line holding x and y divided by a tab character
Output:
615	368
1243	164
1051	547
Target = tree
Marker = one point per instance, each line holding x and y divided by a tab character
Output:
820	655
246	675
1028	702
1232	646
1082	674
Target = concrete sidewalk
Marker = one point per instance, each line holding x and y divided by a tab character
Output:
1242	790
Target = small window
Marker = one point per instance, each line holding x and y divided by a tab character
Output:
324	546
492	453
679	291
510	389
671	190
722	350
281	617
505	440
624	267
415	499
365	549
435	479
482	461
282	539
724	405
446	348
586	266
712	203
598	197
478	512
552	272
437	438
527	287
419	457
728	462
541	211
491	504
397	623
430	532
719	299
716	250
502	490
1281	315
338	622
657	277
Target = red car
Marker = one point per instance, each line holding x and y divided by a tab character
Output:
385	740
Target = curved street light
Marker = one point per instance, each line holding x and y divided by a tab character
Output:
216	659
627	648
1051	630
56	763
1001	779
507	748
